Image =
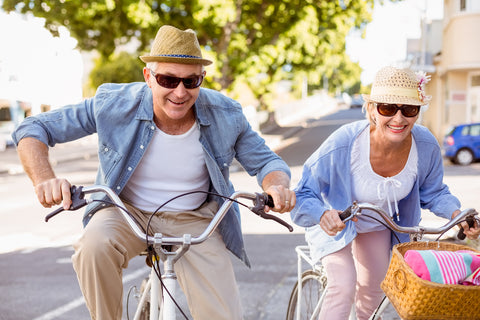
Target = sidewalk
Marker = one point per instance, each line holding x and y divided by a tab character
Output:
81	149
87	148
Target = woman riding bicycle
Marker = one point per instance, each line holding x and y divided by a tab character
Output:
387	160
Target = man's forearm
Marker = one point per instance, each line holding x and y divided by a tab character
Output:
276	178
34	157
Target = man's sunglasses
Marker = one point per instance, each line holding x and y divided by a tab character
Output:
389	110
170	82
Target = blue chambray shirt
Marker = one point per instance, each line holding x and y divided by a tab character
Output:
122	117
326	183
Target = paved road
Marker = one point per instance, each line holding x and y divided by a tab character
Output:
52	286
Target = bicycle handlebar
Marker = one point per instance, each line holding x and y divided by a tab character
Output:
259	200
356	208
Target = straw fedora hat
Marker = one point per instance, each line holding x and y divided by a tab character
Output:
399	86
176	46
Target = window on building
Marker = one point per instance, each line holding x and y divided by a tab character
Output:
463	5
476	81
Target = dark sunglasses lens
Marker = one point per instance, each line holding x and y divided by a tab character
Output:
410	111
387	110
170	82
167	81
193	82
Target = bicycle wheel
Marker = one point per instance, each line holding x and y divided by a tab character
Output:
313	285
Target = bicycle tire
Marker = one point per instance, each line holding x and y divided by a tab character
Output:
313	290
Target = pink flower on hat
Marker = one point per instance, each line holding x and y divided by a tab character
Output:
422	80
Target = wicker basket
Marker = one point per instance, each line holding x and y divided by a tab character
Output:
415	298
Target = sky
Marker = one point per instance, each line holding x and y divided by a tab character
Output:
36	67
386	36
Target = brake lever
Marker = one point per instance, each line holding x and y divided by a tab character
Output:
78	201
262	200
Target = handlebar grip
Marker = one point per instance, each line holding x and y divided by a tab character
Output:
346	213
471	222
269	201
78	201
262	200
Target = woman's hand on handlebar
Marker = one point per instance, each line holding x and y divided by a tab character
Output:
331	223
472	232
53	192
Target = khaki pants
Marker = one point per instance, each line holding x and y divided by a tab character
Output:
205	272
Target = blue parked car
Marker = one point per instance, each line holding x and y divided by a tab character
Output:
462	143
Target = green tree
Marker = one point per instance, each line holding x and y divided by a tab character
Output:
256	42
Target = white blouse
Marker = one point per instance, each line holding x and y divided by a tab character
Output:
368	186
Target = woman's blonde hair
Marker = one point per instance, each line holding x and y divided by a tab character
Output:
368	109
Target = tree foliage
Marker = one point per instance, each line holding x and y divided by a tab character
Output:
257	42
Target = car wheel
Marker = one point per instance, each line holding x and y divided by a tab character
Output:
464	157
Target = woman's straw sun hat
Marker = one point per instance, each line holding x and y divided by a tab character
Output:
176	46
399	86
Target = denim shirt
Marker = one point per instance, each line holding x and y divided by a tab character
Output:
122	117
326	183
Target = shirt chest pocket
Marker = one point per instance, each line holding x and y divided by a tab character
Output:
224	161
109	159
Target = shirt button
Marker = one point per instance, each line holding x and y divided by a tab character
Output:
118	187
106	149
141	147
129	168
152	127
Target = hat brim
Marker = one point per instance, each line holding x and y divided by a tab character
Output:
202	61
395	100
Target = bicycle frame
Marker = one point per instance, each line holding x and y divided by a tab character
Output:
303	253
416	233
161	297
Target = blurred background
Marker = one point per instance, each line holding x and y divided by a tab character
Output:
271	55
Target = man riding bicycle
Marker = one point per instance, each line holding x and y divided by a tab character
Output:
157	140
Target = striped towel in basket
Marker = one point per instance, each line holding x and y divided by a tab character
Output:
445	267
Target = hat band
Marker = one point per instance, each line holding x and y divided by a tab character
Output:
177	56
380	91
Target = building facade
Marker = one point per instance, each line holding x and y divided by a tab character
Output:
455	85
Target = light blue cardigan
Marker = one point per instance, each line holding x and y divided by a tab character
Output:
326	183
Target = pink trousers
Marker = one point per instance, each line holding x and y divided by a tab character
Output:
354	276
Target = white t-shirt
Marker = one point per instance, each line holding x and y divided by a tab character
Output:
167	170
368	186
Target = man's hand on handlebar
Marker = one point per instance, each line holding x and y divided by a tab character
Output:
53	192
283	198
331	223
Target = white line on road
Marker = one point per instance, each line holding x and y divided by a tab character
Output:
79	301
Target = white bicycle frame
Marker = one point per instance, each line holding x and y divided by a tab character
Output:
416	233
159	298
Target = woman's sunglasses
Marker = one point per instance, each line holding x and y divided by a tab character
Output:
389	110
170	82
